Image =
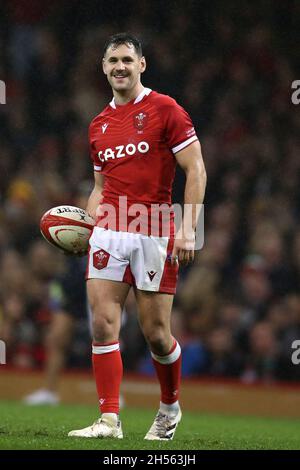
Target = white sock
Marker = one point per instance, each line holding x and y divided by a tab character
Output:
110	417
172	409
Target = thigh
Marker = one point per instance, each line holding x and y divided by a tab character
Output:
107	298
154	309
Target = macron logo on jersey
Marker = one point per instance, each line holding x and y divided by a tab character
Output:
104	127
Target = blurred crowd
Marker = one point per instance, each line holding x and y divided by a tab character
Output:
231	65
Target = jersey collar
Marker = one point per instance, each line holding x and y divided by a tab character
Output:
144	92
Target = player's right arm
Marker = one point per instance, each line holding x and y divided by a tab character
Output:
95	198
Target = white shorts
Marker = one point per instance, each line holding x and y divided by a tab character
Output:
143	261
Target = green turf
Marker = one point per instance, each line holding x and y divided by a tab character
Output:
42	427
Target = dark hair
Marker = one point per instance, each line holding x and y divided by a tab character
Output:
124	38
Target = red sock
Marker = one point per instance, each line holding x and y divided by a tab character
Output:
168	370
108	371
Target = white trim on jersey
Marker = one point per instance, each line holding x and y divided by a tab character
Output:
144	92
105	349
97	168
112	103
184	144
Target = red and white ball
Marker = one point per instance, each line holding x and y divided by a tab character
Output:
68	228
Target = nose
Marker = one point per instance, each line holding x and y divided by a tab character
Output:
120	65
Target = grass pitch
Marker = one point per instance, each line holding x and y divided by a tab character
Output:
44	427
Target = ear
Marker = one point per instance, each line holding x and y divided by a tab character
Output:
103	66
142	64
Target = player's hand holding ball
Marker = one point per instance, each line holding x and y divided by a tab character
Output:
68	228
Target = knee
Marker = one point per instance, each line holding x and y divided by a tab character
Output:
159	339
105	329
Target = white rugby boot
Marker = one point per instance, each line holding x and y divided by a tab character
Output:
107	426
164	427
42	397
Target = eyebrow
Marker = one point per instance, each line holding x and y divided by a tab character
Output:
122	58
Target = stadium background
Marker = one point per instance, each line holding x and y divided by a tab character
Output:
231	66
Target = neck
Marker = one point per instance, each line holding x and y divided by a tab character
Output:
123	97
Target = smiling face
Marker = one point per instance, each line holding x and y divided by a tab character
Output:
123	67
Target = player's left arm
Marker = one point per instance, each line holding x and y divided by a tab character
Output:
191	161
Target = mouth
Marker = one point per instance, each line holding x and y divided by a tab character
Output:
120	77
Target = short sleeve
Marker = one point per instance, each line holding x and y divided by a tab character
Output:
93	154
95	159
180	131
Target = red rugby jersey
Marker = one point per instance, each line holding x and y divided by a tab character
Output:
133	146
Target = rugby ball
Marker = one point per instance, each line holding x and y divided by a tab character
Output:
68	228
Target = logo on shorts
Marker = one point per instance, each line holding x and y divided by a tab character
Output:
140	121
100	259
151	274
